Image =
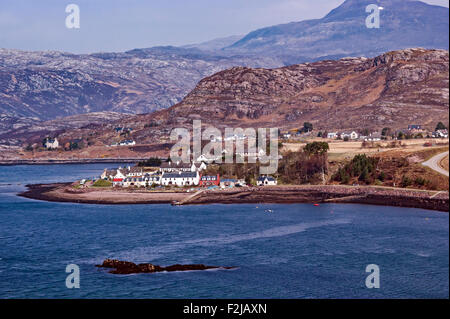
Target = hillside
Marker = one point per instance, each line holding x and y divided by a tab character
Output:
392	90
49	85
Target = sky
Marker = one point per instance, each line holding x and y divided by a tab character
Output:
120	25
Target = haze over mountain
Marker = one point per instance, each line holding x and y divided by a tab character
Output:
343	32
47	85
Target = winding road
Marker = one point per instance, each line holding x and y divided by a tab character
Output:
433	163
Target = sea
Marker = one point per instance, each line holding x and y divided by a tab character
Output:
279	250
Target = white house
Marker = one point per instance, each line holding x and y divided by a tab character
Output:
440	134
180	179
127	143
121	173
351	135
198	167
332	135
266	180
51	143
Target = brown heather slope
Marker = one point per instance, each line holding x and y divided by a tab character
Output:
394	89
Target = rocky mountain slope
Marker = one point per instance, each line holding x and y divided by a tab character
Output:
343	32
392	90
49	85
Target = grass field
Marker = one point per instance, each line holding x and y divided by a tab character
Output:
341	151
444	163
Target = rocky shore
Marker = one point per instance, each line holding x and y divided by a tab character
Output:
65	192
329	193
126	267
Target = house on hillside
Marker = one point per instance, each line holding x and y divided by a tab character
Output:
332	135
373	137
207	180
127	143
415	128
266	181
440	134
350	135
51	143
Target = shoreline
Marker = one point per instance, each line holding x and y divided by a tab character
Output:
70	161
397	197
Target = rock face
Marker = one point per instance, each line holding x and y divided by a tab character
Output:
47	85
393	90
126	267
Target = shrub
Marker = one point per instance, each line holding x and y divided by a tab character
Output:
406	181
102	183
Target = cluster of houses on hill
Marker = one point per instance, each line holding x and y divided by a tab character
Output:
174	174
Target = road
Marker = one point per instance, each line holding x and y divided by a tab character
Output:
433	163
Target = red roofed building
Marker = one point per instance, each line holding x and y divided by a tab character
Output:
208	180
117	181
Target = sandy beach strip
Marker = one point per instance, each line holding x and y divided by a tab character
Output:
269	194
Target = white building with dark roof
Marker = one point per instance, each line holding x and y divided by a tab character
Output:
180	179
266	181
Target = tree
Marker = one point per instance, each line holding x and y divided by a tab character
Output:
385	131
307	127
151	162
29	148
440	126
316	148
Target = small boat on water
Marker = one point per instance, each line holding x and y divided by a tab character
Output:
269	211
316	205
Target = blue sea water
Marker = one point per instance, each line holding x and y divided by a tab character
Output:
298	251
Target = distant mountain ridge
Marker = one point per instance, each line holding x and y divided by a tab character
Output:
343	32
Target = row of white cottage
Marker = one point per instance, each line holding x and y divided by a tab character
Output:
168	174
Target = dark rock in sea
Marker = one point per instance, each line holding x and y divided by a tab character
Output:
126	267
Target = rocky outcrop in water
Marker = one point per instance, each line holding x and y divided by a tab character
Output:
126	267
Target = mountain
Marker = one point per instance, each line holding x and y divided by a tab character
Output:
48	85
343	32
391	90
216	44
42	86
27	128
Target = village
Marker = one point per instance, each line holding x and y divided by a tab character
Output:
171	174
